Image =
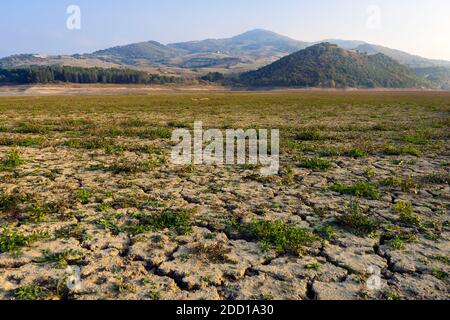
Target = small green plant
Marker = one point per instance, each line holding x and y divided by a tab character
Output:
279	236
154	294
288	176
61	259
413	151
326	232
417	138
37	213
121	285
407	214
30	292
392	296
443	259
9	203
153	203
391	182
406	184
357	153
330	152
187	170
314	266
359	189
12	160
83	196
309	135
370	173
216	253
179	221
440	274
262	297
396	237
397	243
393	150
73	231
316	164
103	207
158	133
109	224
357	221
133	123
13	242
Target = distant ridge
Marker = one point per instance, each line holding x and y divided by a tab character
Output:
248	51
327	65
255	43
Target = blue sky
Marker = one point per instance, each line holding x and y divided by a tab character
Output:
417	26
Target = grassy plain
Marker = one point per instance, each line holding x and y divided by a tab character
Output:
87	181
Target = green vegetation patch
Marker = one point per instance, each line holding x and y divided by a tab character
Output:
419	138
357	221
393	150
359	189
13	242
317	164
277	235
178	221
11	161
407	214
9	203
30	292
61	259
357	153
75	231
309	135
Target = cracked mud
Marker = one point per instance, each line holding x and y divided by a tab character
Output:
363	185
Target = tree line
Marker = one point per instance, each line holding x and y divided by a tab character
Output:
53	74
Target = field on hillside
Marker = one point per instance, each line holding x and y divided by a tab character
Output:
87	181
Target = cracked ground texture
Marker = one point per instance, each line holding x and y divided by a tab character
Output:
363	187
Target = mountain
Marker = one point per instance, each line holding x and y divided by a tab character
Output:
143	53
251	49
409	60
247	47
440	76
255	43
248	51
327	65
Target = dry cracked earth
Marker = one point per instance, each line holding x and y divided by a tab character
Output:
359	209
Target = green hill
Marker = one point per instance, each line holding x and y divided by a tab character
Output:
146	53
406	59
327	65
440	76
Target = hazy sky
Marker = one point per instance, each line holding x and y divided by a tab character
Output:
416	26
